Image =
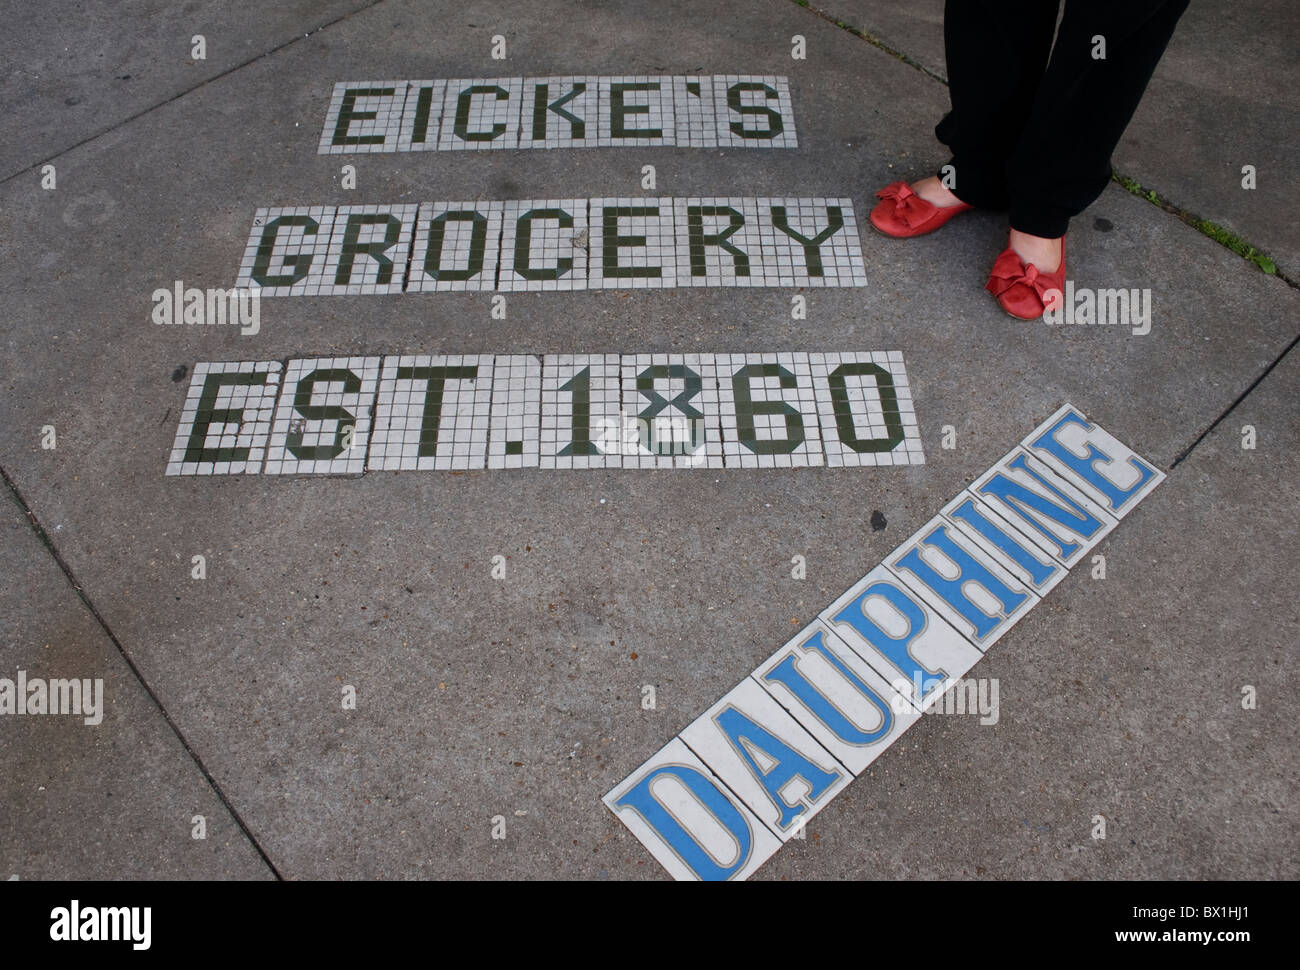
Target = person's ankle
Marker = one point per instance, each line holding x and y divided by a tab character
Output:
932	190
1042	252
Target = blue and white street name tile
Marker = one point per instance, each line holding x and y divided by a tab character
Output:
902	635
969	587
689	821
836	696
1044	504
822	708
1106	471
766	757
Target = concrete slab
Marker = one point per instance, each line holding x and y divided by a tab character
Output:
79	69
521	698
1224	97
110	793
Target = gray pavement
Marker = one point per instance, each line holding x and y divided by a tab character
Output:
109	791
521	697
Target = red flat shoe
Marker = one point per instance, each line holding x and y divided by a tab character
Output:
1021	289
902	213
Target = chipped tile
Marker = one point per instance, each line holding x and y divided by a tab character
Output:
322	423
544	245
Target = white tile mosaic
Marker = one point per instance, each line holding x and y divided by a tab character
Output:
432	413
769	411
287	251
322	423
865	405
226	420
364	117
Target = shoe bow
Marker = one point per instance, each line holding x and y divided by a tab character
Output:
909	208
1010	270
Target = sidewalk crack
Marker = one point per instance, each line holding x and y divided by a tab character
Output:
44	537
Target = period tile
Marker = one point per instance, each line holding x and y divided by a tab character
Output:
514	428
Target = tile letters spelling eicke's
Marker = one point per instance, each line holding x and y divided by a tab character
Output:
718	111
743	778
552	244
348	415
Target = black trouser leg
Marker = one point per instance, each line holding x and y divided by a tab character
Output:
1061	162
1034	136
996	51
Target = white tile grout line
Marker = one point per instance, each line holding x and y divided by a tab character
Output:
349	415
552	244
685	111
743	778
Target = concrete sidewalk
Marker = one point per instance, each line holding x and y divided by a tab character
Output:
520	699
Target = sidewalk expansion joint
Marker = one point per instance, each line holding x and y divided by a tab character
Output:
176	97
872	40
44	537
1232	407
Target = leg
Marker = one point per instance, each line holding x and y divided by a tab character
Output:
996	52
1061	161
